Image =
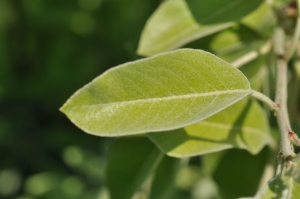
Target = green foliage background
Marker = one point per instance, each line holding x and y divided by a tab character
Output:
48	50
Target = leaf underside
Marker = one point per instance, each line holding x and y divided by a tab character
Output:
164	92
171	26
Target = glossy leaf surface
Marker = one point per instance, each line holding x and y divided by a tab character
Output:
131	161
243	125
164	92
171	26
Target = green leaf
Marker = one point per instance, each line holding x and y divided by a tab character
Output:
130	163
211	161
243	125
256	72
163	185
235	42
221	11
285	184
171	26
262	20
275	189
164	92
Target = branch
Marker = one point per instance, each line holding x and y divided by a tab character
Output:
264	49
282	115
281	96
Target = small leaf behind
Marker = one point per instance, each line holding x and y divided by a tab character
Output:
285	184
220	11
164	92
171	26
262	20
242	125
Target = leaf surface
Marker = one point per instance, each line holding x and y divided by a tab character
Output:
262	20
130	163
234	43
242	125
171	26
221	11
256	72
285	184
164	92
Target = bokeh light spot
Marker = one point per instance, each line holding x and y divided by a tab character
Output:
82	23
73	156
72	186
41	183
24	197
6	14
10	181
103	194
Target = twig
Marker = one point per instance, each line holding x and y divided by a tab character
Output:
282	115
281	95
272	105
252	55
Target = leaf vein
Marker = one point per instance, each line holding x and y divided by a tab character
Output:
166	98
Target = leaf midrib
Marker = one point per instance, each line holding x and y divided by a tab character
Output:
174	97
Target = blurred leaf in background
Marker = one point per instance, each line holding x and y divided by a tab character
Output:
48	49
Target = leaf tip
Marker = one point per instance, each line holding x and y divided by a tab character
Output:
63	109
